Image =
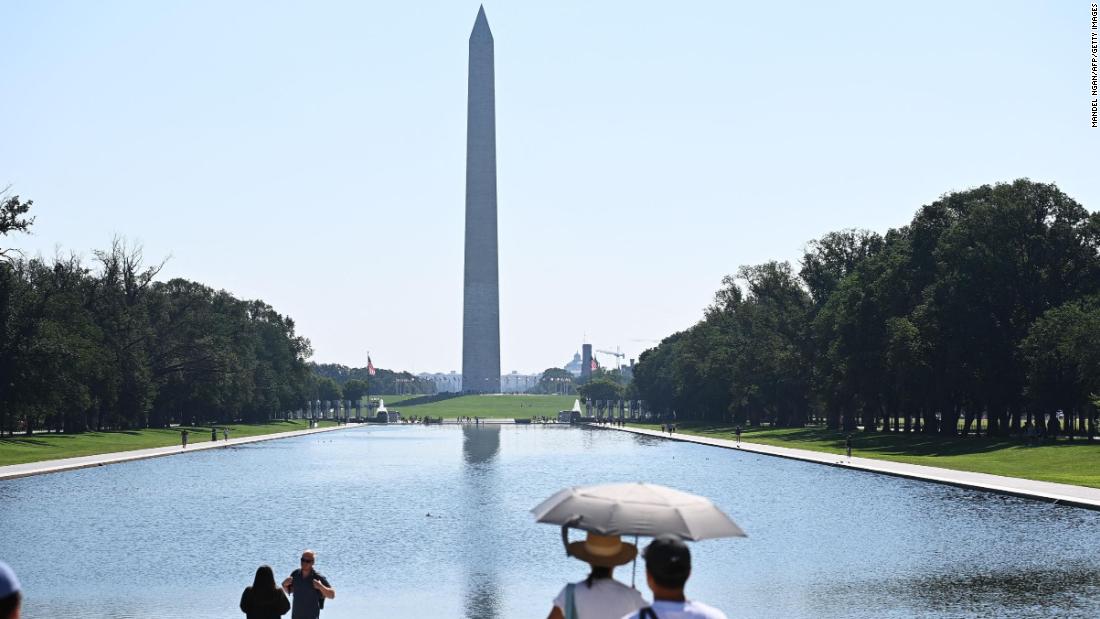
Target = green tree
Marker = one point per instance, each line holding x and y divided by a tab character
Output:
601	389
328	389
1011	252
13	218
1062	353
355	389
949	316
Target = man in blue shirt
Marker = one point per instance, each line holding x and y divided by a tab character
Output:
309	588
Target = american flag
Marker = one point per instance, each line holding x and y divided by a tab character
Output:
370	367
595	364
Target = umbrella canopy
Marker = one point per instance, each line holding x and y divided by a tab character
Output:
636	509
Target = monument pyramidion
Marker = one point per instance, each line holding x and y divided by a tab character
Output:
481	286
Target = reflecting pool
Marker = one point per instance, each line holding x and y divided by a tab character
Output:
433	522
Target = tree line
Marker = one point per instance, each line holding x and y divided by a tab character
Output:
104	346
340	382
986	306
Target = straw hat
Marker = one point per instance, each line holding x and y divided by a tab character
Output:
603	550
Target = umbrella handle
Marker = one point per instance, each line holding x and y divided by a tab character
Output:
572	522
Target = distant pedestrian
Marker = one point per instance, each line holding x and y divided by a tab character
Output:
309	588
183	438
848	445
213	434
11	593
667	569
225	433
737	433
263	600
599	595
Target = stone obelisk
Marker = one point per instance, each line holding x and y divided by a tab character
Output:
481	294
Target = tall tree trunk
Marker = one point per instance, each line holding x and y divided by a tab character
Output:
848	419
1052	426
968	421
928	421
949	426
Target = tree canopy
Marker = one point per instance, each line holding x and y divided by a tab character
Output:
105	346
983	307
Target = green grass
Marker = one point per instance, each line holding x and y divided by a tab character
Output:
21	449
1068	462
491	406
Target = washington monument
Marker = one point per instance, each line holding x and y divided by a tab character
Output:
481	289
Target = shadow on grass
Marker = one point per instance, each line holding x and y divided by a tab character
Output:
25	442
49	440
886	443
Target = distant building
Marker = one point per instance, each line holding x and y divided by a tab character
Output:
574	366
518	383
451	382
628	371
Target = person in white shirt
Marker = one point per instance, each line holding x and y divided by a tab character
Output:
599	596
667	568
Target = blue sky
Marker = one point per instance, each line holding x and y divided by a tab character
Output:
313	155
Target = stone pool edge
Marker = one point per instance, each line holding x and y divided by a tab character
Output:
1050	492
45	467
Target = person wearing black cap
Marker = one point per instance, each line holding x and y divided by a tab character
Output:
11	597
667	568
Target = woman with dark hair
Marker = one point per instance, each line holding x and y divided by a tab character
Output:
263	600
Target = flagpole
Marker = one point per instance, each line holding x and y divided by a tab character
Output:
366	381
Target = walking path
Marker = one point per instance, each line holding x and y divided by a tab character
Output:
1065	494
68	464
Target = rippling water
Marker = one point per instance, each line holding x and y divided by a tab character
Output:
433	522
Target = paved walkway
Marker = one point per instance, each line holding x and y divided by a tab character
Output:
1065	494
67	464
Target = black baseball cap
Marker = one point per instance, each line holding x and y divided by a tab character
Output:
668	556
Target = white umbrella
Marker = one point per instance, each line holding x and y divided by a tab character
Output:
636	509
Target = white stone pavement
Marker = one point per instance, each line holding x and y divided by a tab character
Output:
1063	494
67	464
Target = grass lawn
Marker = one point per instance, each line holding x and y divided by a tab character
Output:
520	406
20	449
1068	462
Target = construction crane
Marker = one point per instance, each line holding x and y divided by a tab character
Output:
618	356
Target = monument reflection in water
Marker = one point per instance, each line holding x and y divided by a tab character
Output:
481	515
